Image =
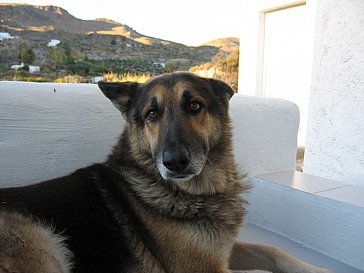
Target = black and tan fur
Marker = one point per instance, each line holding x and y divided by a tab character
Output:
166	200
28	247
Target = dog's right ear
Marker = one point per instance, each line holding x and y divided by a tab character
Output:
121	94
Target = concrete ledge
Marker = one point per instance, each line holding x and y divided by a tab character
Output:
255	234
324	215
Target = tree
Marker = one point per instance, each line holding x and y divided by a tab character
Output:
28	56
5	55
57	55
25	54
172	66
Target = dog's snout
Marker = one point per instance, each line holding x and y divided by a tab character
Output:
175	160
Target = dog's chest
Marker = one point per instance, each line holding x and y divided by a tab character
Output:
186	245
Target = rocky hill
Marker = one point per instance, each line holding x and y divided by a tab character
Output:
92	46
22	17
229	44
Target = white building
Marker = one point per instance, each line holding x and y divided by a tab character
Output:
53	42
17	66
5	36
97	79
159	64
32	68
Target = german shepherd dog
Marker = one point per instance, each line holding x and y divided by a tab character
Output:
167	199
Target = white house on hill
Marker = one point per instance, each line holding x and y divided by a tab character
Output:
53	42
5	36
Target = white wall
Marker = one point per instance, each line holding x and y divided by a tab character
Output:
46	134
335	142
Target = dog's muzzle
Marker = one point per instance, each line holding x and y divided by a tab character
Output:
176	160
178	164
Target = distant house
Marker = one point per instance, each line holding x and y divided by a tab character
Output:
53	42
97	79
32	68
159	64
17	66
5	36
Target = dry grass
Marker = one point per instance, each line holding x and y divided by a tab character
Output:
69	79
129	77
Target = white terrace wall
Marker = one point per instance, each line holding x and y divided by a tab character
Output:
49	130
335	136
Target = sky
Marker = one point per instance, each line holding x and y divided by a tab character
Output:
190	22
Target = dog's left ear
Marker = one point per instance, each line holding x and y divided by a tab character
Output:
121	94
222	89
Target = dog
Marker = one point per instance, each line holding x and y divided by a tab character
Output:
167	199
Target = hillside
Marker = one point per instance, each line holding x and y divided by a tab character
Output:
224	65
91	47
22	17
229	44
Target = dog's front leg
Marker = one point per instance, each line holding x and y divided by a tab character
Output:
247	256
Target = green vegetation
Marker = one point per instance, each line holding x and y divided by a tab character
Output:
65	64
25	54
22	75
68	65
5	55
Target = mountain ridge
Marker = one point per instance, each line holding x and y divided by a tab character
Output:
93	47
42	18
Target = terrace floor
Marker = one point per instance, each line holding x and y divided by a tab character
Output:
255	234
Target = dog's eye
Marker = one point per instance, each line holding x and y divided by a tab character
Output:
195	106
152	115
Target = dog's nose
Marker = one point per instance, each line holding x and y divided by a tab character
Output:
175	160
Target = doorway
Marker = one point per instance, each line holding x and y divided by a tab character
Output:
285	59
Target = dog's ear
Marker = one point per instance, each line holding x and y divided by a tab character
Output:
121	94
222	89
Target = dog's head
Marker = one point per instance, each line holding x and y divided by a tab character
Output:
175	121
